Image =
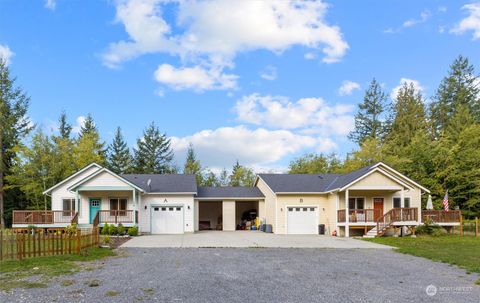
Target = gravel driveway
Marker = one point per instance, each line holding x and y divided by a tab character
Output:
260	275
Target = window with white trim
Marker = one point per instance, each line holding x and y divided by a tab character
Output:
397	202
69	204
118	204
356	203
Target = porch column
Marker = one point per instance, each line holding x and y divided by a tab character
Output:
402	198
134	206
77	203
347	219
228	215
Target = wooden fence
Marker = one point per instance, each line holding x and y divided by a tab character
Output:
21	245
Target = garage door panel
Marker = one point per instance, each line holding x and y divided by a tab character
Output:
302	220
167	220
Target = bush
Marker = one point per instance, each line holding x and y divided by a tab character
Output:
71	229
112	230
121	229
105	229
133	231
430	228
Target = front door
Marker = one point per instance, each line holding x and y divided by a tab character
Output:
378	206
94	208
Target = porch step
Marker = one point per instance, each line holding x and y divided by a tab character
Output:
372	233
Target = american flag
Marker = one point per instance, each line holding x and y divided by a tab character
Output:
445	201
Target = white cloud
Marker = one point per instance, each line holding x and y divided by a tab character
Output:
348	87
312	115
221	147
269	73
424	16
204	37
416	85
79	123
6	54
195	78
50	4
471	22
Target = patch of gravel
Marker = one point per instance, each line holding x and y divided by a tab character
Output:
260	275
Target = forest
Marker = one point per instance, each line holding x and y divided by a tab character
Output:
435	140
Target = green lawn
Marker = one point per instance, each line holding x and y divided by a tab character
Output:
37	272
463	252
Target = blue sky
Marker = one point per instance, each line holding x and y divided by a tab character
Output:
261	82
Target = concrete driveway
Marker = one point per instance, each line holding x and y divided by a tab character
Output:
248	239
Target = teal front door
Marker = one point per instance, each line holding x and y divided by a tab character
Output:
94	208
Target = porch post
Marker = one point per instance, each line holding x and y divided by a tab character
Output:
77	202
134	206
402	198
347	219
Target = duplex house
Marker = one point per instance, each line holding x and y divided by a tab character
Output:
372	200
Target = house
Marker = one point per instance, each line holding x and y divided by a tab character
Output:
373	200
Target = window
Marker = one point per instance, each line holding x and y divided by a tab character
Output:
118	204
397	202
68	205
356	203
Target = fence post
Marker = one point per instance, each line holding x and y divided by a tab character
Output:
461	225
476	226
78	241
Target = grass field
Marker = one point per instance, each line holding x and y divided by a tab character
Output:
461	251
37	272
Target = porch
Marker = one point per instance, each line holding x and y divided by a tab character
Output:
44	218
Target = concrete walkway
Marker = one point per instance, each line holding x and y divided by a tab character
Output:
248	239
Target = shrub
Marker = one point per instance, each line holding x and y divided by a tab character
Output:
430	228
71	229
105	229
133	231
112	230
121	229
106	240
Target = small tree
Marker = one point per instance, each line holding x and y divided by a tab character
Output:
119	158
241	176
192	165
153	154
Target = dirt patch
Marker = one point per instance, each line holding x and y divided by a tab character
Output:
113	241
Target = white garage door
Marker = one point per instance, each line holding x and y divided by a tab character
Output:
167	220
302	220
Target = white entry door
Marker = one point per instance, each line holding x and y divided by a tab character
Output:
302	220
167	220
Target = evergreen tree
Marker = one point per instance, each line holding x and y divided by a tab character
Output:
210	179
460	87
192	165
119	159
65	129
88	126
14	126
153	154
368	120
223	178
241	176
32	170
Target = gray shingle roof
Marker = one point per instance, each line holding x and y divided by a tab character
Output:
167	183
229	191
310	183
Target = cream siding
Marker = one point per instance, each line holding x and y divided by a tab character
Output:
268	214
376	179
168	200
104	179
104	196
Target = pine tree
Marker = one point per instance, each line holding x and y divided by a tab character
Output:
89	147
368	120
119	159
65	129
241	176
210	179
88	126
192	165
460	87
153	154
14	126
223	178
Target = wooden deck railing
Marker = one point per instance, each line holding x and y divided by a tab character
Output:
117	216
441	216
396	215
359	215
44	216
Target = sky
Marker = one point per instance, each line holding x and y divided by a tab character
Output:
261	82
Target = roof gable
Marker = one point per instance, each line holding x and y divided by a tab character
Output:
165	183
104	177
94	167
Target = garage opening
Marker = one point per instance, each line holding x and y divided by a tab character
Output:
245	214
302	220
210	215
167	220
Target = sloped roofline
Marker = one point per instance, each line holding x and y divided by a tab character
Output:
89	177
71	177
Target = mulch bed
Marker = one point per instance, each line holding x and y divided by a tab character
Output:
115	241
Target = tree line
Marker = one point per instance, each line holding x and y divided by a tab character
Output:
32	161
435	142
